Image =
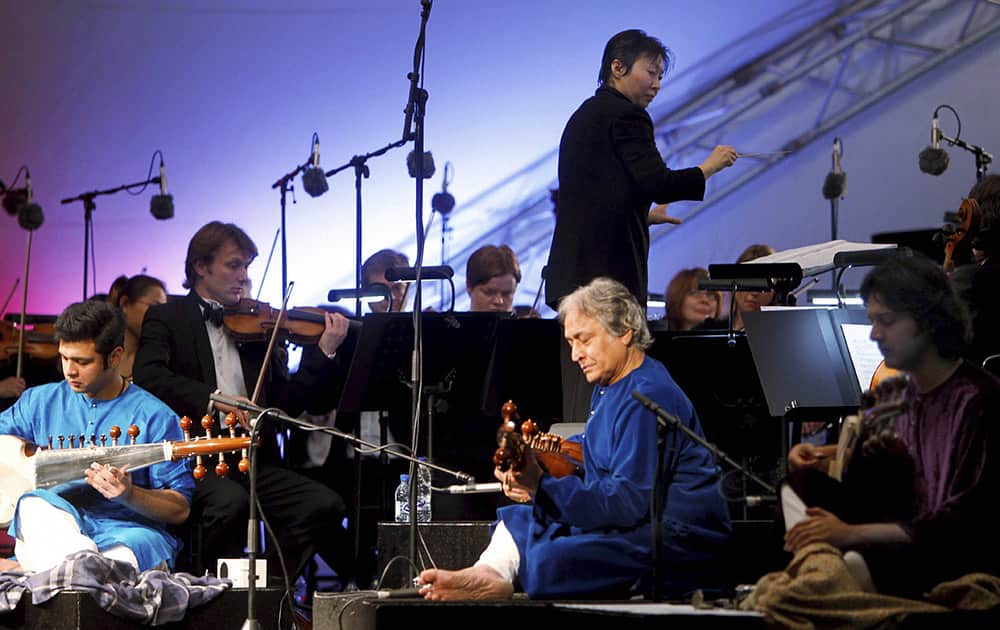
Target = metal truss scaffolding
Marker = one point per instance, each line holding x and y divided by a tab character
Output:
828	62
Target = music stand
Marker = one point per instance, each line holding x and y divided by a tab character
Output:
525	369
803	362
720	379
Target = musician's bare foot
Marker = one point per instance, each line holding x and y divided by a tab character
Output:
473	583
6	564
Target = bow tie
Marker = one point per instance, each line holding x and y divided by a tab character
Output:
211	313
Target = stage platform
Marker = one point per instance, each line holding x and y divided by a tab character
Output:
77	610
365	611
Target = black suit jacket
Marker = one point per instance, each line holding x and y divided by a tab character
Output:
610	173
175	363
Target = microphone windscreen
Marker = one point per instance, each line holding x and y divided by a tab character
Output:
162	206
314	181
933	161
13	201
834	185
411	164
30	216
443	202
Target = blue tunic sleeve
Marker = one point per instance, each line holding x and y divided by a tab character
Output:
619	462
16	419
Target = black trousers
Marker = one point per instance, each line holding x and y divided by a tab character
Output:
306	518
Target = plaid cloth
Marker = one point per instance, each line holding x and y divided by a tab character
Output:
152	597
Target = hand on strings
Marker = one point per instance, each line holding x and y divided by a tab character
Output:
334	333
820	526
658	215
806	455
114	484
521	486
12	387
722	156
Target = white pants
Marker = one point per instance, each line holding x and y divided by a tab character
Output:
501	554
46	535
794	510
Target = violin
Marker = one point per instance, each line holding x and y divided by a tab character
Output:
251	320
39	341
560	458
967	217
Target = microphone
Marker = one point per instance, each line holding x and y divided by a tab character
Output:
233	402
313	177
398	593
29	215
409	274
474	488
13	198
835	184
755	500
161	206
443	202
934	159
411	164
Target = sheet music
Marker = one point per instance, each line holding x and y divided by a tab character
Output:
865	355
817	258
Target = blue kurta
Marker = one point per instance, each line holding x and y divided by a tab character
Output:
590	535
55	409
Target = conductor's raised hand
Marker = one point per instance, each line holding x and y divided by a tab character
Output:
722	156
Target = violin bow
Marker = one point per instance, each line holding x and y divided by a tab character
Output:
267	266
270	344
3	311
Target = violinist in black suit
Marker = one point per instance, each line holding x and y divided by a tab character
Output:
185	354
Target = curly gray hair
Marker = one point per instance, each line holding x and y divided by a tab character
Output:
611	304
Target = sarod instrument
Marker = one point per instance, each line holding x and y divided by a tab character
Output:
557	456
25	466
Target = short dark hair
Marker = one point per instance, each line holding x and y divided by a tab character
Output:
205	245
490	261
381	260
910	283
93	320
134	288
628	46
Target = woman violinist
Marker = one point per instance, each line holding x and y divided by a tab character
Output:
134	296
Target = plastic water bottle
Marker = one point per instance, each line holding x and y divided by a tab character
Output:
423	493
403	499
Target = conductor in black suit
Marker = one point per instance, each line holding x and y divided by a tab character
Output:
185	354
610	173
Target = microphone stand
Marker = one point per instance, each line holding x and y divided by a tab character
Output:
360	165
277	414
253	530
413	128
983	157
88	218
253	526
666	420
282	183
